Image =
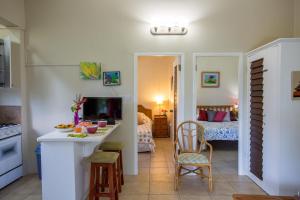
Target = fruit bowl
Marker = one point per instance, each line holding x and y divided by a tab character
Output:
64	127
92	129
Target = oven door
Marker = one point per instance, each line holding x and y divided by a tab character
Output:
10	154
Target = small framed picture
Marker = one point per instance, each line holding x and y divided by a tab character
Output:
210	79
112	78
296	85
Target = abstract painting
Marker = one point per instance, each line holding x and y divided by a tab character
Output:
111	78
296	85
90	71
210	79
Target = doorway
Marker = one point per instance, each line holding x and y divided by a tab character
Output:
226	95
158	96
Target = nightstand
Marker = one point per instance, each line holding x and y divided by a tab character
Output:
161	126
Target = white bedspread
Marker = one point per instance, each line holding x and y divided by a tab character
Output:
145	137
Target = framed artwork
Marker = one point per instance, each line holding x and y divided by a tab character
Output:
90	71
296	85
112	78
210	79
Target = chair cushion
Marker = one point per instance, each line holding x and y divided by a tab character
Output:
104	157
192	158
110	146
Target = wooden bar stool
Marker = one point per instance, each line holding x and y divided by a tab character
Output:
106	161
115	147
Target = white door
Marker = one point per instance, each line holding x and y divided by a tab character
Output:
180	91
176	96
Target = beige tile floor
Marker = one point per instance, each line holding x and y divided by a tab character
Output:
156	180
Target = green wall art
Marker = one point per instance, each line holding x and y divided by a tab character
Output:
90	71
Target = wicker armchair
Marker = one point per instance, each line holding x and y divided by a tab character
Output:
188	152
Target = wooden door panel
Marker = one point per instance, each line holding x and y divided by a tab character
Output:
175	102
256	118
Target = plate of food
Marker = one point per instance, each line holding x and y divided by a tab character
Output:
80	135
64	127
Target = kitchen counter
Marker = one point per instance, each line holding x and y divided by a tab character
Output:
57	136
65	168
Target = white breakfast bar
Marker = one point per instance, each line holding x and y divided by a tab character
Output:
65	169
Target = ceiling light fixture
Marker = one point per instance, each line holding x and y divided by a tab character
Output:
168	30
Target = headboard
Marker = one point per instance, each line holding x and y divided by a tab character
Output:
147	112
215	107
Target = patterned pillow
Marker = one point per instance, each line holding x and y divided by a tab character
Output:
146	120
211	115
140	118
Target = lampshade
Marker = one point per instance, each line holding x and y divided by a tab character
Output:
236	106
159	100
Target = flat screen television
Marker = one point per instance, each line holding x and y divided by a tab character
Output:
97	108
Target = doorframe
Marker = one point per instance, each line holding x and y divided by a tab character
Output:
135	94
242	142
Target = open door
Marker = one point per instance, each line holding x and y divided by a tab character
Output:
175	104
177	96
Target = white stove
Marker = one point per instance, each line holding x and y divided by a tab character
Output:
10	153
9	130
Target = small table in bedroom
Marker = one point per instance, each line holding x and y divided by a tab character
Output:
161	126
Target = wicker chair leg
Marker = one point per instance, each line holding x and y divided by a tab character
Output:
177	173
210	181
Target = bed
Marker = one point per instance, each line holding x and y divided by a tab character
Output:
225	131
144	130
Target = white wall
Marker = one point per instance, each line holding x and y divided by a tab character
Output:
64	32
10	97
289	131
154	79
296	18
12	12
227	93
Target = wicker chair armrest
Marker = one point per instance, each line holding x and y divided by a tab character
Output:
210	150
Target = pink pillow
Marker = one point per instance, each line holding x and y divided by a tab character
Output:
219	117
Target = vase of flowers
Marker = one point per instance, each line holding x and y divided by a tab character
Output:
77	103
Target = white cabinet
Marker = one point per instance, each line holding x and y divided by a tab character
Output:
9	63
281	129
